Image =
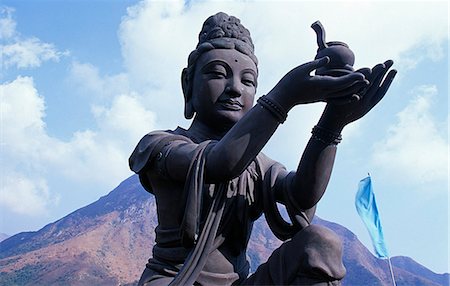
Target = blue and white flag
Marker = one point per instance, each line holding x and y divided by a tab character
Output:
368	211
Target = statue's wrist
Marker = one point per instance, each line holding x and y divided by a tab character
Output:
326	136
277	103
334	127
274	107
278	96
330	122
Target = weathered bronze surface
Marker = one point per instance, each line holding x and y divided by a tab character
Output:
211	181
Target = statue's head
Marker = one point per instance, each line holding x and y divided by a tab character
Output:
221	77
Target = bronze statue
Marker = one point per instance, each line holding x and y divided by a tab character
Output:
211	181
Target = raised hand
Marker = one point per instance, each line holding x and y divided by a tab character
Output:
298	86
342	111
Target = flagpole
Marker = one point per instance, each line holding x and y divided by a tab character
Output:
392	271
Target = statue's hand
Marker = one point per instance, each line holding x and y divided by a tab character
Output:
348	109
298	86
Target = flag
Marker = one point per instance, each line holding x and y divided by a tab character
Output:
368	211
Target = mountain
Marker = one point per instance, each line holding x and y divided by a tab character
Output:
3	236
414	267
109	241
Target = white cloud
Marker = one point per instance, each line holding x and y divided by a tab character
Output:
26	196
432	50
90	158
415	147
22	140
116	109
148	47
126	116
23	52
156	37
37	161
29	53
91	154
87	78
7	24
22	111
29	154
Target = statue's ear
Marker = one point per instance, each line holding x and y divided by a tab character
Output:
187	92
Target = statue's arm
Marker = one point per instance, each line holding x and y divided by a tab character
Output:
228	158
308	184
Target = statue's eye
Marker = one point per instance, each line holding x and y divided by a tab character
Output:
218	73
248	79
215	70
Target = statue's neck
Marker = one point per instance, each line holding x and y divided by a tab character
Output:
202	131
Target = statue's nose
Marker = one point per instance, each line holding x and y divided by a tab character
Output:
233	89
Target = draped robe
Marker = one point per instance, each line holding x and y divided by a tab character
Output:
203	229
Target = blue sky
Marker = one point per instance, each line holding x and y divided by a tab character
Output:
82	81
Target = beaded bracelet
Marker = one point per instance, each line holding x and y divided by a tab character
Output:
326	136
273	107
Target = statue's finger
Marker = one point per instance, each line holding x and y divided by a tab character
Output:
378	74
345	81
316	64
388	63
349	91
365	71
371	75
342	100
384	87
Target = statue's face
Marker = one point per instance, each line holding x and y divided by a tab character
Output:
224	87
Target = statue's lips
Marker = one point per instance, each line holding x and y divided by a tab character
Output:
231	105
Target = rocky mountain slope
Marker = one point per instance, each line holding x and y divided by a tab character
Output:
109	241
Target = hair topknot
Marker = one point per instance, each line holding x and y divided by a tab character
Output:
221	31
221	25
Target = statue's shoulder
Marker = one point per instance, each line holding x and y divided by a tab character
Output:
151	143
159	134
